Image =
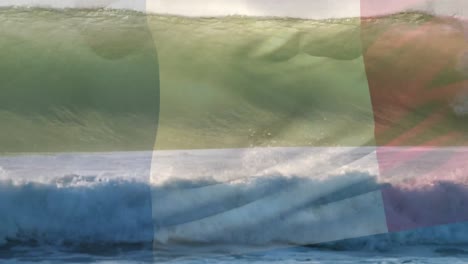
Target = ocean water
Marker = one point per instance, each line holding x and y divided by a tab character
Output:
255	81
81	80
102	208
87	95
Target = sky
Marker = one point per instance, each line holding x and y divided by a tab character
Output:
315	9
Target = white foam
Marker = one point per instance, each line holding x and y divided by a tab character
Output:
247	196
293	195
76	198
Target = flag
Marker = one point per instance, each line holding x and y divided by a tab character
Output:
221	122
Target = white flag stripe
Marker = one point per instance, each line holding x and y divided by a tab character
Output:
260	195
263	223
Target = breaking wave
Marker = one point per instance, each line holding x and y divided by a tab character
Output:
118	205
107	212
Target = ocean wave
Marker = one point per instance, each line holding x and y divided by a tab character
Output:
309	196
77	82
110	212
86	210
273	84
251	197
282	211
76	198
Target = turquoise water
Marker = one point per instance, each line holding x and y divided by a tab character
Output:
99	80
77	80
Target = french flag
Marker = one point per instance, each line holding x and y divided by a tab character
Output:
265	122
